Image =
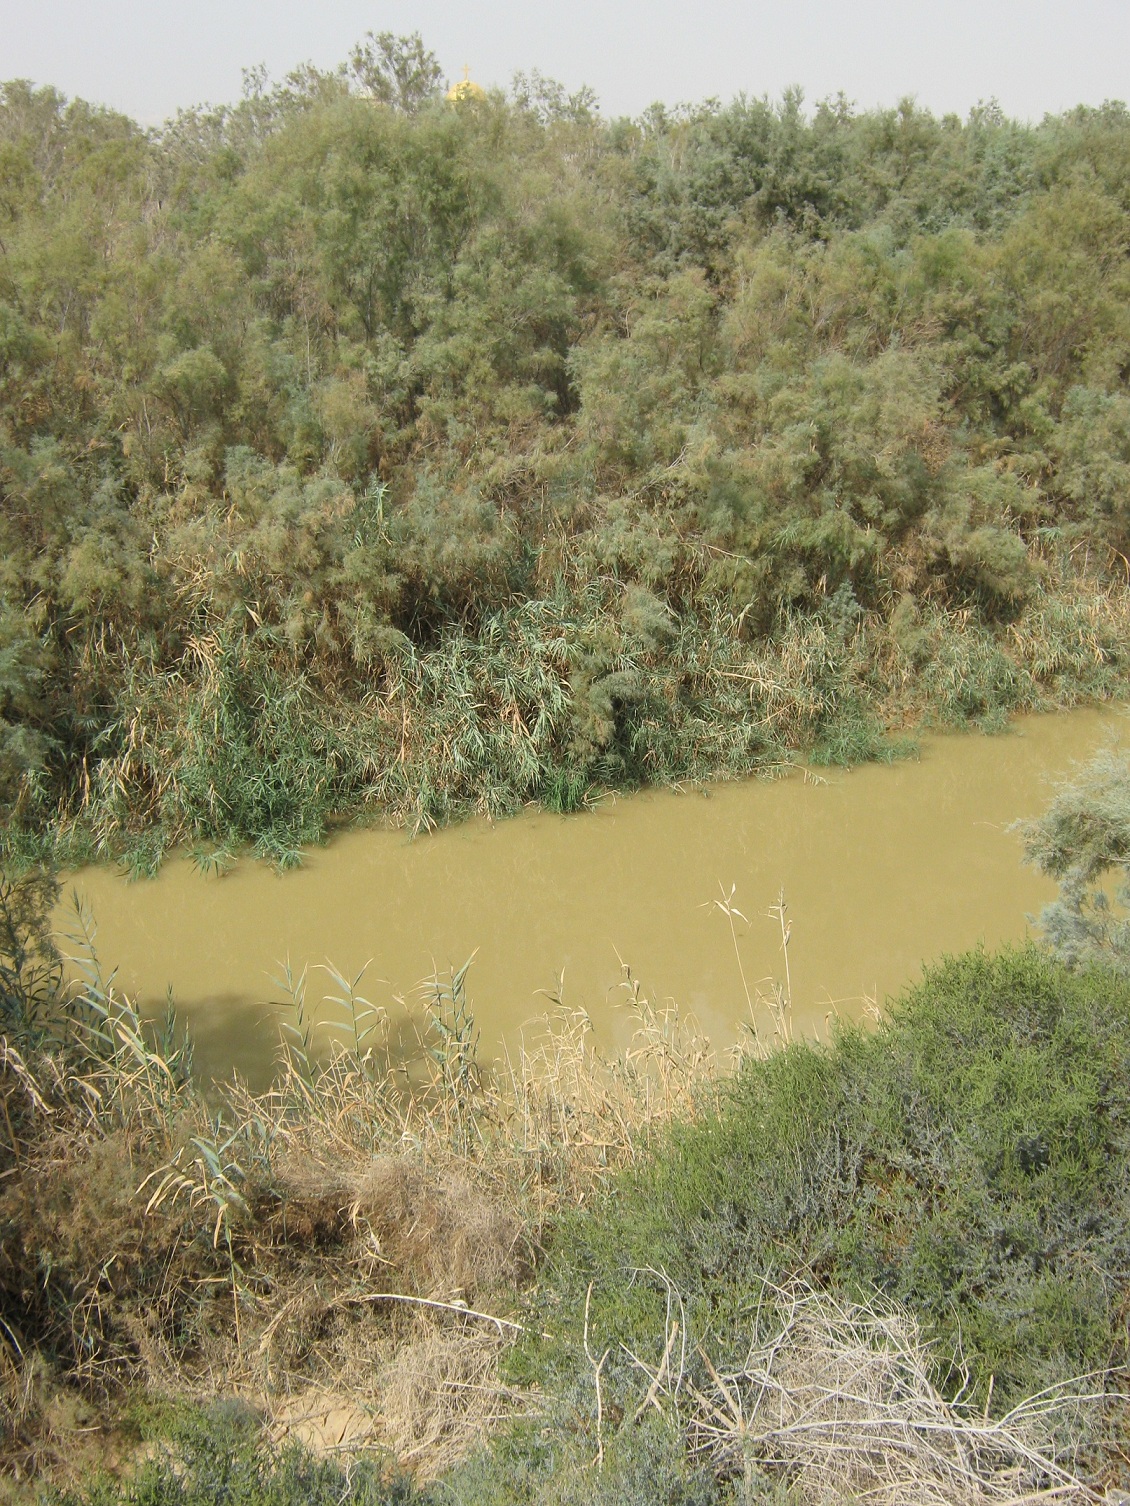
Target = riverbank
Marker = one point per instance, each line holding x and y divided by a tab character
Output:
366	454
567	1285
480	725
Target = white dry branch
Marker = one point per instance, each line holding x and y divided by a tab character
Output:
838	1399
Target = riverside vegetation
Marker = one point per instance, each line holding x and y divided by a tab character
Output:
364	451
894	1267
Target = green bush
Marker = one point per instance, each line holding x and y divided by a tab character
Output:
969	1158
555	1464
1083	841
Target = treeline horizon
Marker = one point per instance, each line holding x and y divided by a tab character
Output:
382	61
360	449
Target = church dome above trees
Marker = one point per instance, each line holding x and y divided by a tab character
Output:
466	88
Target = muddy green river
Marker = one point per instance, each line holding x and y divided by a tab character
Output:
881	867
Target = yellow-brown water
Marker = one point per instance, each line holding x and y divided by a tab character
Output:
881	867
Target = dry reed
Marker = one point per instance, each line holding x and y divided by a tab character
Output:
837	1398
346	1250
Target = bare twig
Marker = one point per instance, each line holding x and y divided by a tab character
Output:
597	1367
452	1307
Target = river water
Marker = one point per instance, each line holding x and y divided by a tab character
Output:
881	867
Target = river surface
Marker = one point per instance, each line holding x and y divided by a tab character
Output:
881	867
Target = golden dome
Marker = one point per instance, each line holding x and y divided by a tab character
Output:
466	88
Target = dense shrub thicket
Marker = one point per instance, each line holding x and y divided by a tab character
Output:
970	1158
360	448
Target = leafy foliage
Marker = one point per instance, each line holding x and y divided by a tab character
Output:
968	1159
351	411
1082	840
213	1456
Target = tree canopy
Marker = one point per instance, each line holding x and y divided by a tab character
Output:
438	456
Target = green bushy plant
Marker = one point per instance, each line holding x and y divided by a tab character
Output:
968	1158
1083	841
219	1456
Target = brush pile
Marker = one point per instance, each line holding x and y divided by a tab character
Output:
839	1399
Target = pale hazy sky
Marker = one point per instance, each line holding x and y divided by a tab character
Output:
150	57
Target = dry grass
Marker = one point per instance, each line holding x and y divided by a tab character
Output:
450	1233
434	1212
346	1251
441	1395
574	1114
838	1399
425	1388
19	1401
437	1226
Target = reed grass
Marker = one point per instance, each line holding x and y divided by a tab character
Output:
547	701
359	1233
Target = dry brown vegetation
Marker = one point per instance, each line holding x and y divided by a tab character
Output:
343	1252
840	1398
